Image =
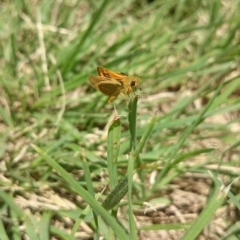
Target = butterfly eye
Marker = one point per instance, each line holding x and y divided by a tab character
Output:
132	83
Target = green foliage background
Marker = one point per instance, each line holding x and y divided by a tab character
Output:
54	126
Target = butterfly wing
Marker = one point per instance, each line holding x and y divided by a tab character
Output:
107	86
104	72
96	80
110	88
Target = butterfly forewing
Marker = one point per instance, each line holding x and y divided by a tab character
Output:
96	80
110	74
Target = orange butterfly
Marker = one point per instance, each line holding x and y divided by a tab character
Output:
112	84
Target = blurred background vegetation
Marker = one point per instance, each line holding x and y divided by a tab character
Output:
48	50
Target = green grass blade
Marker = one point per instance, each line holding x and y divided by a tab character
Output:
84	194
116	194
207	214
113	144
132	116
